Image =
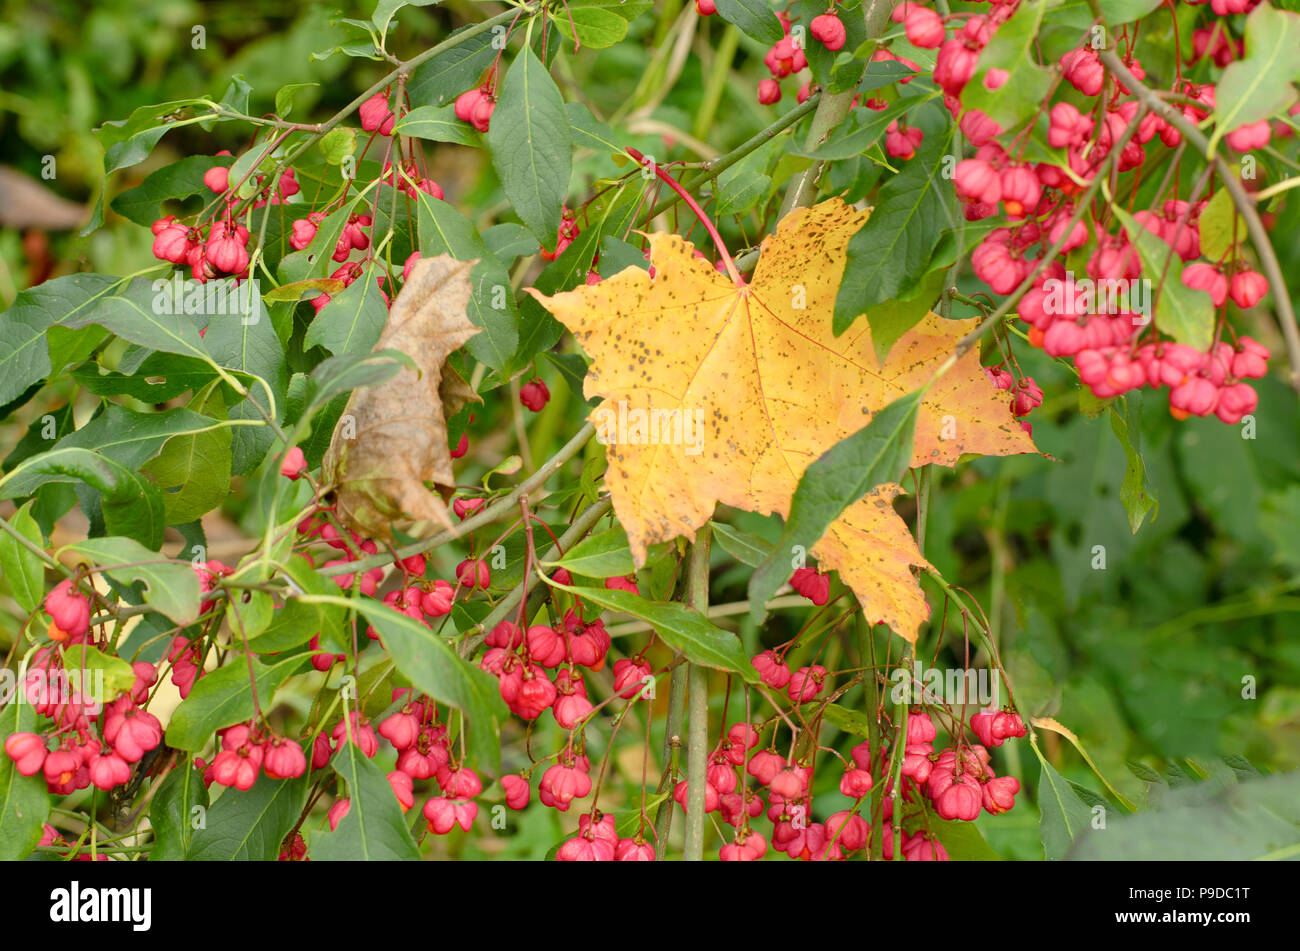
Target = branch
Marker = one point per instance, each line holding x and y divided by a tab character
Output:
405	69
831	111
581	525
697	748
493	513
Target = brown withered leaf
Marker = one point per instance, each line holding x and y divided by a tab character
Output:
392	438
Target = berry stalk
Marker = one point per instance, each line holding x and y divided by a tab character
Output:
695	207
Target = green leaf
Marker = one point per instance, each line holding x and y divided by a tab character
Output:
172	813
1213	820
23	572
316	259
444	230
629	10
132	505
589	132
373	830
617	255
337	144
299	621
129	141
249	826
1014	50
882	73
222	697
890	320
1185	314
878	453
850	721
237	93
754	18
353	320
385	9
342	374
509	240
597	28
744	546
1064	816
1220	226
1136	492
43	432
1077	15
243	173
194	471
963	841
892	250
24	800
434	668
250	345
84	661
603	555
171	589
741	187
1259	85
437	124
133	313
161	377
531	145
1143	772
24	345
285	95
132	438
864	128
572	367
174	182
451	73
690	632
302	290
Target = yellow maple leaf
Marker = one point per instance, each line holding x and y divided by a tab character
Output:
739	389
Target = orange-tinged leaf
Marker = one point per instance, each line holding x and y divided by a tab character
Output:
771	388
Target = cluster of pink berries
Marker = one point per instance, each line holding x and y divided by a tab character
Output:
519	660
1114	352
1026	395
958	782
786	57
94	744
220	247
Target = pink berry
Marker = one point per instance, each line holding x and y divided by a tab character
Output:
217	178
376	116
473	573
829	30
294	464
28	751
534	394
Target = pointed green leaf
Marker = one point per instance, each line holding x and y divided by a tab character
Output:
249	826
373	830
23	572
532	146
690	632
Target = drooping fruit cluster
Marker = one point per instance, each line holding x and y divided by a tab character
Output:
1104	322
